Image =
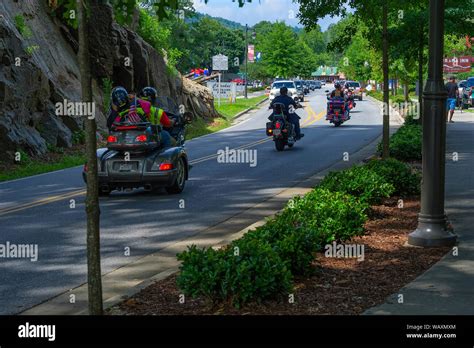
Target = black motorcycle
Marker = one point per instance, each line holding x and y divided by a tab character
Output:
280	128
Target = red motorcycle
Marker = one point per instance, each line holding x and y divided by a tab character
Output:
350	99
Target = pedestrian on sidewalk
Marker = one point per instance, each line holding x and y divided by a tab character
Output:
453	94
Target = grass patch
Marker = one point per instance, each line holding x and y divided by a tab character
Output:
228	111
34	167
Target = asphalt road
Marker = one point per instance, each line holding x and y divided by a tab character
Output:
37	210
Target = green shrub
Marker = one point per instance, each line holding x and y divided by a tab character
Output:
79	137
247	270
398	174
328	216
107	86
294	246
156	34
201	272
405	144
310	222
376	94
359	181
31	49
410	120
54	149
397	99
22	27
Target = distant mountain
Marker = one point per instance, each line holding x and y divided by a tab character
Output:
227	23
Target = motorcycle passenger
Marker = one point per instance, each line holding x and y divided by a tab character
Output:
150	95
293	118
127	107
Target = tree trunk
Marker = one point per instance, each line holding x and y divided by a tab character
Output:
406	91
386	108
94	279
420	73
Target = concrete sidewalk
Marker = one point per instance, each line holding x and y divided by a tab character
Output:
448	287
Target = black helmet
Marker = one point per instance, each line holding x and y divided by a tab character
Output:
337	85
284	91
148	93
120	97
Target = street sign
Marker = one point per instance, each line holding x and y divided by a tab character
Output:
457	64
227	89
220	63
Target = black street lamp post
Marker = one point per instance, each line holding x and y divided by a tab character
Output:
432	230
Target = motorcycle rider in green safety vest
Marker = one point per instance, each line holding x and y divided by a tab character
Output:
127	106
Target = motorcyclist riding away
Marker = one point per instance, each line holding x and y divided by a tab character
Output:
126	107
290	105
338	92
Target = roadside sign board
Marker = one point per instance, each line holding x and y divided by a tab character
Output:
227	89
220	63
457	64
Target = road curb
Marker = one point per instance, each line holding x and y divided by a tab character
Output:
399	119
242	113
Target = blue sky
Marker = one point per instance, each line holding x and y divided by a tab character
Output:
256	11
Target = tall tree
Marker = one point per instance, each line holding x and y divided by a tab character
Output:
94	279
279	55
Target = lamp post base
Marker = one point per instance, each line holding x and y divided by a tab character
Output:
432	232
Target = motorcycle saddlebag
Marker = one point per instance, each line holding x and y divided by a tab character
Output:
269	129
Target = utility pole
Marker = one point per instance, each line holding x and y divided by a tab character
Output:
246	59
432	230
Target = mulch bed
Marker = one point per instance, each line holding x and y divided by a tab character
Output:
338	286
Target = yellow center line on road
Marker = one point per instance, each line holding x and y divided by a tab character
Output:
316	118
42	201
310	119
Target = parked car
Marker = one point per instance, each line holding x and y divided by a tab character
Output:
467	94
355	88
292	90
300	89
317	84
461	85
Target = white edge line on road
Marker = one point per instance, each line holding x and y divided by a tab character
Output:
220	131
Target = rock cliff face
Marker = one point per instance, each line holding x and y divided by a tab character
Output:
40	69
